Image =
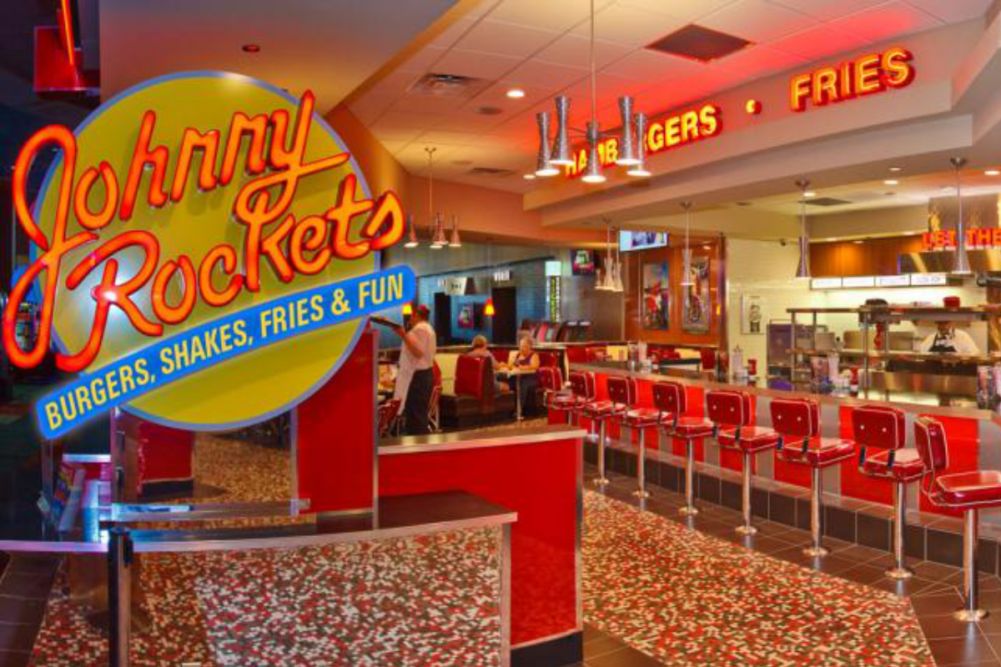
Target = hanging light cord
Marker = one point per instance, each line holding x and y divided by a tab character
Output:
594	77
430	152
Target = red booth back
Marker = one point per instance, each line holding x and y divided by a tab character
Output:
549	358
670	397
469	376
879	426
929	435
582	384
550	379
796	417
729	408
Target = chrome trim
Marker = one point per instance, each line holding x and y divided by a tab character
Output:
444	442
505	595
579	538
140	513
41	546
971	577
293	436
119	597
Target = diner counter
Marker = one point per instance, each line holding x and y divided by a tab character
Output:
475	439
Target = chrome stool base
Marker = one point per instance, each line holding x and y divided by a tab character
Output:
900	573
601	481
746	531
816	552
688	511
641	494
970	615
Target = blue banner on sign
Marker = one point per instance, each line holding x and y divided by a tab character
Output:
213	342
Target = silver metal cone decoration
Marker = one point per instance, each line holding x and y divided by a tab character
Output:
593	173
962	263
627	147
640	169
803	270
412	237
543	165
455	241
561	155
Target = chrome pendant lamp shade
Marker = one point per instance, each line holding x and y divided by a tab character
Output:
544	165
440	240
627	148
412	235
561	155
639	170
962	264
593	173
803	269
686	254
455	241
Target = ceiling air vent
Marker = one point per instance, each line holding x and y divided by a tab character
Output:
698	43
827	201
447	85
490	171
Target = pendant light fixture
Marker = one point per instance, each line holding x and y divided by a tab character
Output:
632	146
803	270
610	277
962	264
412	234
489	309
686	253
455	241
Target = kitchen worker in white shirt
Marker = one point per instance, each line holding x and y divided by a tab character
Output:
946	339
415	381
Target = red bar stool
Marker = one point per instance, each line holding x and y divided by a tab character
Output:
671	400
967	491
624	392
730	413
798	422
600	412
555	396
584	390
884	429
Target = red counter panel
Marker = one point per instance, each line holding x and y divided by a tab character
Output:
541	482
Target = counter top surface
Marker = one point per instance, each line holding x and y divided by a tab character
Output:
498	437
909	402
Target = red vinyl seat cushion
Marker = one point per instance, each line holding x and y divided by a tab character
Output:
748	438
567	401
641	417
603	409
907	465
690	427
981	488
820	452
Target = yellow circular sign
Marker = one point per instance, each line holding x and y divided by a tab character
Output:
195	222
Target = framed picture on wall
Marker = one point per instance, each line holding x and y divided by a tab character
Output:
696	308
467	318
656	304
752	314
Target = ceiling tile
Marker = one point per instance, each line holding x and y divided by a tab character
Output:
819	42
953	11
475	64
404	119
629	26
422	61
559	15
757	61
826	10
507	39
446	138
388	131
757	21
450	35
427	104
574	51
545	76
684	10
645	65
370	106
886	21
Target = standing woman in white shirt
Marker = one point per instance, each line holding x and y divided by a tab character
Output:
415	381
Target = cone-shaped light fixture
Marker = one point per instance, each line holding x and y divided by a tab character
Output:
561	155
639	170
455	241
627	146
962	264
543	165
408	309
489	309
593	173
439	240
803	270
412	235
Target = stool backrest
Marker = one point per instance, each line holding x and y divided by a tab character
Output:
622	390
549	379
933	446
728	408
582	385
879	426
670	397
797	417
388	411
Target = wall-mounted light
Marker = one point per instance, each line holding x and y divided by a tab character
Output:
489	309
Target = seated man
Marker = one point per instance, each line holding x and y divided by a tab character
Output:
480	350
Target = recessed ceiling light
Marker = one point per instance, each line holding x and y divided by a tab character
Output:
992	172
891	181
529	177
489	111
516	93
809	193
858	241
251	48
896	169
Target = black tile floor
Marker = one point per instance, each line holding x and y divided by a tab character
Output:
25	583
934	592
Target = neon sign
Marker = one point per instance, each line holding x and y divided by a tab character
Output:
669	132
977	238
866	75
206	234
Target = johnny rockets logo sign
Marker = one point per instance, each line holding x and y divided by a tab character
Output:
185	234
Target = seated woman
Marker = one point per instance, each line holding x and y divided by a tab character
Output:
527	360
480	350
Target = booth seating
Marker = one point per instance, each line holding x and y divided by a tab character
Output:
884	429
966	491
671	402
474	401
621	392
797	422
730	412
624	392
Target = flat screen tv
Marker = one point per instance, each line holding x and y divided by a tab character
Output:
582	262
629	241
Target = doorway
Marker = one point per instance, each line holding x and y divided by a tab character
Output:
443	317
505	319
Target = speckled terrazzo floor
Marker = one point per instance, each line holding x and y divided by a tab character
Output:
687	598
